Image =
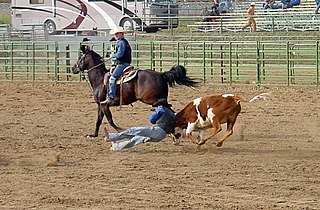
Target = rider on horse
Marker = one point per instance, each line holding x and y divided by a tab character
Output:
123	59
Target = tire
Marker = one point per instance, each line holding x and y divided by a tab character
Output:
50	26
127	24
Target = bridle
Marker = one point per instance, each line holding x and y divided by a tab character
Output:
81	60
85	73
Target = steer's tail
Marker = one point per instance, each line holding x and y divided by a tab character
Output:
262	96
178	74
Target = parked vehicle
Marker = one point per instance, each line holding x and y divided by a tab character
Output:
62	15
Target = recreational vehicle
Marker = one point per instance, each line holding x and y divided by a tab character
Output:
82	15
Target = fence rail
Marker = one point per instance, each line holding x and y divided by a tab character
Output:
224	62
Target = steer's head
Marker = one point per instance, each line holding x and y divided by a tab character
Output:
176	136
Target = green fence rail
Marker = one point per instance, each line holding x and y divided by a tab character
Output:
260	62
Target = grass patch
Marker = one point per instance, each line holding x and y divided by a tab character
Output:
5	18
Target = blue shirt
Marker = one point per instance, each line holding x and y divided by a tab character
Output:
121	45
157	114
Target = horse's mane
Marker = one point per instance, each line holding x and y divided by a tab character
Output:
96	57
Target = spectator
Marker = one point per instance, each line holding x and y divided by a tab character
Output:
318	6
269	4
251	20
214	12
228	5
286	4
295	2
205	12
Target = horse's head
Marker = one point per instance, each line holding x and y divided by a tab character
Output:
79	65
88	60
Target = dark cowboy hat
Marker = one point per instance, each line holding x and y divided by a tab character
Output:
161	101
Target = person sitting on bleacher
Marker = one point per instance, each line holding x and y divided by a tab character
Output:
296	2
318	6
282	5
269	4
290	3
205	12
214	12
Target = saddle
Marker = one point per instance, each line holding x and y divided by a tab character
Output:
128	74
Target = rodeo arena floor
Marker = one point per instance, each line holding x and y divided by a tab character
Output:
272	161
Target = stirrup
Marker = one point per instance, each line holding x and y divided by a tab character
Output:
108	101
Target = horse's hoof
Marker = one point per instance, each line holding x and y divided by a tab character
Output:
201	143
176	143
198	148
219	144
91	137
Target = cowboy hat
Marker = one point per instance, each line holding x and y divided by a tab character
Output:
117	30
161	101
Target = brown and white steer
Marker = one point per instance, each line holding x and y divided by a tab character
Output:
210	112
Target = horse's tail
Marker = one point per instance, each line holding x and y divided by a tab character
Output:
178	74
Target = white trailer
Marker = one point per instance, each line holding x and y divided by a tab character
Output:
83	15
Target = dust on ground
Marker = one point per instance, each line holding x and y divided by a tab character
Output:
272	161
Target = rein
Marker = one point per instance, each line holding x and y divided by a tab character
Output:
87	71
95	66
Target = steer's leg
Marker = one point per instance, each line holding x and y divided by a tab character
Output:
190	128
228	133
192	138
216	128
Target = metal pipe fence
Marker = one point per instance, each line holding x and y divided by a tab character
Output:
290	63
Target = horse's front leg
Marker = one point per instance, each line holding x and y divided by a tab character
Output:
107	112
98	122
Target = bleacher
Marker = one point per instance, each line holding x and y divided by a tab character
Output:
297	18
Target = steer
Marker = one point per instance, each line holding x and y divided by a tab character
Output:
210	112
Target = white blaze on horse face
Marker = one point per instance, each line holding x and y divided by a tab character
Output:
227	95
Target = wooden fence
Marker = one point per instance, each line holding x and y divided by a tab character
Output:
222	62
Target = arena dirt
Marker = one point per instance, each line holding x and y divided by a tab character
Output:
271	162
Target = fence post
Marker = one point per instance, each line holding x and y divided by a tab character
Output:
237	59
221	64
204	61
137	54
258	64
230	61
263	63
152	55
272	24
178	54
160	56
288	62
211	62
317	62
33	62
68	61
221	26
56	69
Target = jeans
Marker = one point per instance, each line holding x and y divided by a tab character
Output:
139	135
117	72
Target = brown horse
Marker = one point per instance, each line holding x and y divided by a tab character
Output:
148	86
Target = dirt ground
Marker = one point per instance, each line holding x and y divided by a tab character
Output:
271	162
